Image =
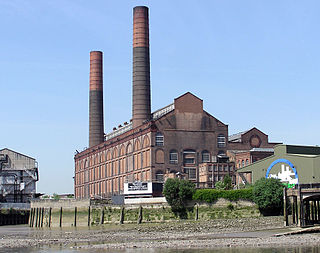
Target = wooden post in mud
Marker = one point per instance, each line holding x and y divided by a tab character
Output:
75	216
89	216
49	223
121	215
60	223
196	216
42	214
285	208
38	217
34	218
33	215
30	217
102	216
140	215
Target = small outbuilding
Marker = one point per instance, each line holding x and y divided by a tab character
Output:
298	167
291	164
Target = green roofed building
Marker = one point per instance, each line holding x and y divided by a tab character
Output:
291	164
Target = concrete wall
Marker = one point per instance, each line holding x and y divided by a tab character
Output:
64	203
16	206
48	213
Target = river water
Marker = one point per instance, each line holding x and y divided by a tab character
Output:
315	249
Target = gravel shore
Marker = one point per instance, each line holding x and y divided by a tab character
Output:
246	232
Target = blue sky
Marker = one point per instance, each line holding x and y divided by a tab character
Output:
254	63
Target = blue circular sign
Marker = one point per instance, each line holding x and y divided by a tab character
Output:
283	161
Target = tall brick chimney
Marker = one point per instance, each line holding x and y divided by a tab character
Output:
96	129
141	101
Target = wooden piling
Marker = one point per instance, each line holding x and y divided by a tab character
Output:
30	217
102	216
89	216
60	222
33	217
42	216
36	217
139	221
196	217
75	216
121	215
49	223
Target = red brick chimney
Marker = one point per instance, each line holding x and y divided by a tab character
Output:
96	128
141	101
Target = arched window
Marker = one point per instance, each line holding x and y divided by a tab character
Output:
159	139
242	162
159	156
205	156
137	145
129	159
247	162
173	156
146	142
221	141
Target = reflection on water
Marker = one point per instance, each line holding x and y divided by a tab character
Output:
229	250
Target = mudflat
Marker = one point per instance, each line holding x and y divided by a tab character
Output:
244	232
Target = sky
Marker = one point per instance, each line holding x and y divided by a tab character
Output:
254	64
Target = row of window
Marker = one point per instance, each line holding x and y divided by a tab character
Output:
113	153
221	140
188	156
243	163
220	167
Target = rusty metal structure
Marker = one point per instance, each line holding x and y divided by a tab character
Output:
96	124
141	104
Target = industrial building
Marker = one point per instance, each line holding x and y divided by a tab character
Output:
18	177
247	147
291	164
176	140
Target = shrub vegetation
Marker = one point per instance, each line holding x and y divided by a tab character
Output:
178	192
211	195
268	195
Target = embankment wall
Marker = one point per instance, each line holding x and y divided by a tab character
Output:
66	213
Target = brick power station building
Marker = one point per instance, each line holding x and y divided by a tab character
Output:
180	139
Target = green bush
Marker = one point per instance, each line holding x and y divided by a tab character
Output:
226	184
268	195
178	192
211	195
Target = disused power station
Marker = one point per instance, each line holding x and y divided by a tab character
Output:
180	139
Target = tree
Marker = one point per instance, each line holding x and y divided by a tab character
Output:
226	184
268	195
178	192
55	196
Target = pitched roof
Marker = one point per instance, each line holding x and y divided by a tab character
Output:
16	153
237	137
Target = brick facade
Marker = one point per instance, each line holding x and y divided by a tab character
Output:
178	139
